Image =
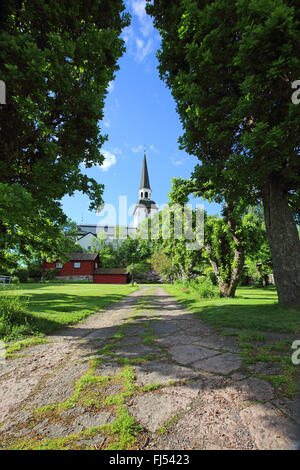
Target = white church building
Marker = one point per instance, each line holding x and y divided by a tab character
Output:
145	208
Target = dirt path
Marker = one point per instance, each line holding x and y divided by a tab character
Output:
144	374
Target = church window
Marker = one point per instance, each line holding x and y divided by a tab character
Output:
142	194
146	194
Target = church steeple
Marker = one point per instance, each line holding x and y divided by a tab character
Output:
145	184
145	207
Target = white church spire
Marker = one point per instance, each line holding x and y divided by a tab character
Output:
145	207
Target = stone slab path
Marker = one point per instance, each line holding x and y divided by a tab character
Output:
143	374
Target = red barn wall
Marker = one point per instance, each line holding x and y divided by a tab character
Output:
86	268
110	278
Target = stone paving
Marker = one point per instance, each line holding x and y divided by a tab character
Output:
148	370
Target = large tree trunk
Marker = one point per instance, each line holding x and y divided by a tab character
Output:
284	243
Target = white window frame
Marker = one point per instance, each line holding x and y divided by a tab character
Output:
58	265
77	264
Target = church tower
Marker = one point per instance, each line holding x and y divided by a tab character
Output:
145	207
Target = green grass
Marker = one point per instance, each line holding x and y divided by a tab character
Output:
251	316
48	307
251	309
25	343
121	434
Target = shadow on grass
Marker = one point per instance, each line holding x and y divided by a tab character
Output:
46	313
168	323
262	317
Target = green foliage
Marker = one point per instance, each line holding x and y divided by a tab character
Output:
230	67
50	274
134	269
206	289
122	253
175	234
14	318
202	286
22	274
133	250
164	266
57	59
217	234
35	270
212	276
228	239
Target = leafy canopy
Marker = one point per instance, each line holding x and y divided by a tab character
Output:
57	59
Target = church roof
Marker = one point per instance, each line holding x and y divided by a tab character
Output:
145	183
146	202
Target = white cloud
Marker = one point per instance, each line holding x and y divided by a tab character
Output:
143	48
154	149
117	150
107	123
111	87
109	160
140	37
128	34
137	149
146	27
176	162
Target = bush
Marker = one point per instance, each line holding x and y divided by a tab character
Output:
15	280
210	273
206	289
11	308
35	271
203	286
14	318
50	274
22	274
245	280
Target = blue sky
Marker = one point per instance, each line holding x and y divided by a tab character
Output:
139	113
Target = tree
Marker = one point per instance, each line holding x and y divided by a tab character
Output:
230	66
57	59
227	239
171	237
30	234
258	256
224	239
134	270
164	266
132	250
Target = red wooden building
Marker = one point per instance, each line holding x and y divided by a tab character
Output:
86	267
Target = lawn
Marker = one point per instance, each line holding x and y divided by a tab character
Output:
252	308
43	308
264	331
